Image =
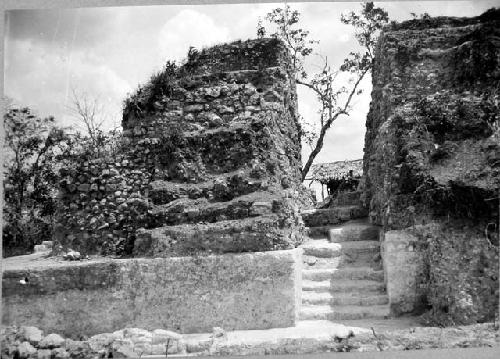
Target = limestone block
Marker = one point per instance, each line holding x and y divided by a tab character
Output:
32	334
51	341
26	350
402	265
44	354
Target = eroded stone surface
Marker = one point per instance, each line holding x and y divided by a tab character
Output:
432	160
402	267
185	294
213	141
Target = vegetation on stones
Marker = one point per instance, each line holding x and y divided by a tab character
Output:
37	154
159	85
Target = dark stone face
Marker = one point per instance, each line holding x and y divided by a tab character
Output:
432	155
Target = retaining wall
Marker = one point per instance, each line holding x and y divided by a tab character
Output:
185	294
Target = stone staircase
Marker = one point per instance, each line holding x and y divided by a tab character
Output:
342	276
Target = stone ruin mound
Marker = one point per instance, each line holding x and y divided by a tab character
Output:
210	162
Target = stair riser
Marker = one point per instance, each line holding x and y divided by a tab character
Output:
353	234
340	262
311	262
341	316
377	288
318	232
368	301
369	253
343	275
333	216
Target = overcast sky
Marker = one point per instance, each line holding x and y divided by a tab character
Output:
107	52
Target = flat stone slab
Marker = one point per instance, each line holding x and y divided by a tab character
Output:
320	274
327	312
357	230
326	298
344	286
331	216
315	336
324	249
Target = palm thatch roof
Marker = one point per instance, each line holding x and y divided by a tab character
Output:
325	172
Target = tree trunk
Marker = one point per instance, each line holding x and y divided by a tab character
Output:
326	126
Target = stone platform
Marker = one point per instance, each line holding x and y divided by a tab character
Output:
186	294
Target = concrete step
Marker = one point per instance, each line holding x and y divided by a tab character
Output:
320	274
326	298
342	261
344	286
353	231
348	312
334	215
323	249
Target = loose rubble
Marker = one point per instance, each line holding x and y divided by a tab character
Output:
137	343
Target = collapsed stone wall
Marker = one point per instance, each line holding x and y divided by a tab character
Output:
210	162
432	156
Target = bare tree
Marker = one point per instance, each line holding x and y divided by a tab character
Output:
92	116
334	100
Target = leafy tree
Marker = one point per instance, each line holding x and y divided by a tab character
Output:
33	149
334	100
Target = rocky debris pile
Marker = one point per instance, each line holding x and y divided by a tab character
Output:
29	342
432	152
72	255
479	335
205	146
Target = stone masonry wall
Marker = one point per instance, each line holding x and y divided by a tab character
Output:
184	294
211	150
432	154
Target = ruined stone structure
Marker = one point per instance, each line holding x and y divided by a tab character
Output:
210	163
432	163
210	166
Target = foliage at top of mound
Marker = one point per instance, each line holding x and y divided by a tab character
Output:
236	56
425	21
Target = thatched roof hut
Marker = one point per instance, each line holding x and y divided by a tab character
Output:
335	171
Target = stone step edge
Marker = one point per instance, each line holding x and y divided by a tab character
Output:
309	298
353	273
344	286
344	311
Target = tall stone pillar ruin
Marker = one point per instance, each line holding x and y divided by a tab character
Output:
210	162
